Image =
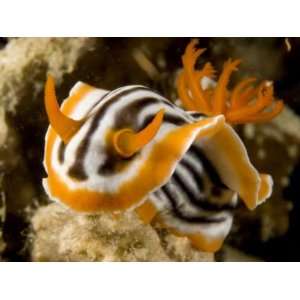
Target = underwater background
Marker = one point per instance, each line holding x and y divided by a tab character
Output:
32	228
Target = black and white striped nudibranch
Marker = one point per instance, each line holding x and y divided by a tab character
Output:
133	149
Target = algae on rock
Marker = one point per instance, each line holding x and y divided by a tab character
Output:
62	235
24	63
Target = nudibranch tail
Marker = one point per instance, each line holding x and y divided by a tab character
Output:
234	167
64	126
242	105
265	190
126	142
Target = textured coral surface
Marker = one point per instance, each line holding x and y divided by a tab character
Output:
62	235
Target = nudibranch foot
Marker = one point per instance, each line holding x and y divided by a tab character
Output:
201	241
147	212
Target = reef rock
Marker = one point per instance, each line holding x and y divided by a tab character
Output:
62	235
24	62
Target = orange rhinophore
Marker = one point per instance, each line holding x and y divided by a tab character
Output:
65	127
127	143
244	104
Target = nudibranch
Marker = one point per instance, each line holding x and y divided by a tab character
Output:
132	149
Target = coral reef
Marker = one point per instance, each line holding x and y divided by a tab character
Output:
62	235
24	62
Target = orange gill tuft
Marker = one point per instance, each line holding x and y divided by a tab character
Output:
244	104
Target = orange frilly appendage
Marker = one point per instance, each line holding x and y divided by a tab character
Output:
244	104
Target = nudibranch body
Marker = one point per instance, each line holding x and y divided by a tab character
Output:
131	148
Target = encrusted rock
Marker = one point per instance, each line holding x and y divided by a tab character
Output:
25	61
62	235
